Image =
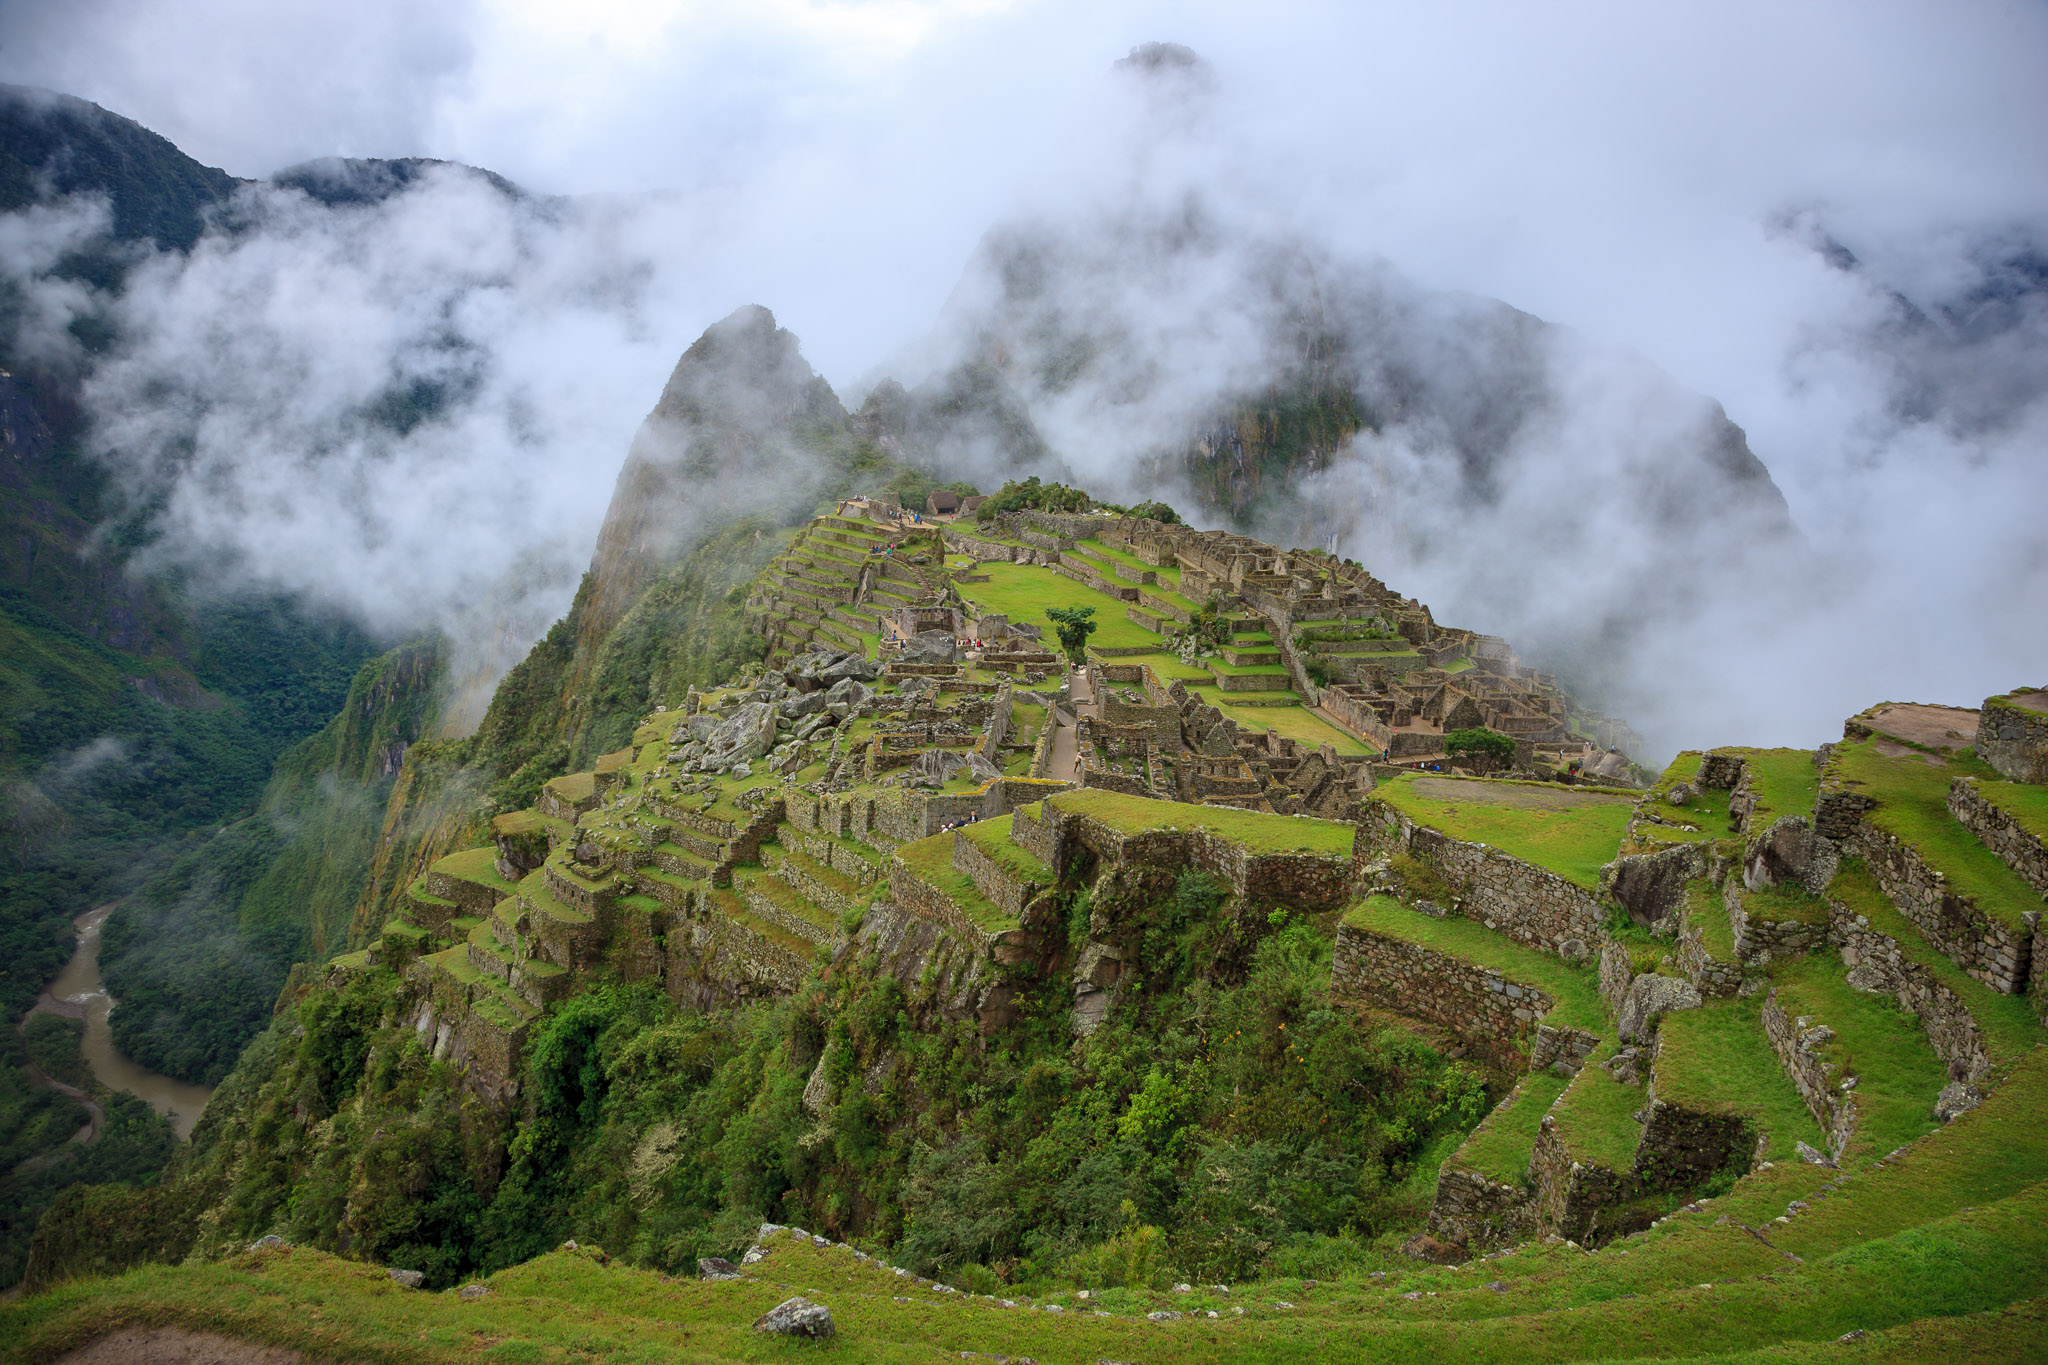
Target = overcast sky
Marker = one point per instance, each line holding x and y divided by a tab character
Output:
1656	176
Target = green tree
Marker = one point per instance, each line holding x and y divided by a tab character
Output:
1480	743
1074	627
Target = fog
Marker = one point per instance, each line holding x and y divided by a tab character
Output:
1830	219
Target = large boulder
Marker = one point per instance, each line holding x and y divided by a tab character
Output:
1649	997
1790	851
799	704
930	647
748	734
1651	886
849	692
797	1317
852	666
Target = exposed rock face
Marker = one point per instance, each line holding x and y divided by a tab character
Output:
930	647
740	428
1648	997
1651	886
716	1268
1790	851
748	735
797	1317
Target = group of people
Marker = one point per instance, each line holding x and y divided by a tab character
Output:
952	825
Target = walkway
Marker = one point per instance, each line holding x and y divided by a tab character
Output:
1065	763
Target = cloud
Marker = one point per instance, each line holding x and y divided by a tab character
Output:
1664	181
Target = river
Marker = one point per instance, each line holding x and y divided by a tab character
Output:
78	994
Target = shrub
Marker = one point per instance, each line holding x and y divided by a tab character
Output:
1481	743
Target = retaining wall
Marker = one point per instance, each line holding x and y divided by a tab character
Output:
1493	1014
1833	1108
1876	963
2013	739
1532	905
2019	849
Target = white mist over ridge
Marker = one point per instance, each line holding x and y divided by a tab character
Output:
1822	218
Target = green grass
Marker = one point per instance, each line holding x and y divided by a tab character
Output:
1707	811
1912	798
1574	843
2027	804
1897	1073
1785	903
477	865
1025	720
1784	780
932	862
1169	574
1905	1253
1167	666
1297	723
993	838
1716	1059
1024	591
1255	830
1573	990
2007	1021
787	898
1596	1115
1499	1147
1706	909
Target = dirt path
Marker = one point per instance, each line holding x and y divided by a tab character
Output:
176	1346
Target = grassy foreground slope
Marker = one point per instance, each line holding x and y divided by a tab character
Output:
1939	1252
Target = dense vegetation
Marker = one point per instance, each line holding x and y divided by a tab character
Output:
196	955
1225	1114
1032	496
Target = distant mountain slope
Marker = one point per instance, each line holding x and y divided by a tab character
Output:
54	145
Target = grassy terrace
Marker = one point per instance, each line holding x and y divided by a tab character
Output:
1169	574
735	909
1897	1073
2026	804
1708	810
1569	832
1716	1059
993	838
2006	1021
1023	592
1912	796
1596	1115
1255	830
1575	993
477	865
1784	780
574	786
1706	908
1297	723
931	861
1499	1147
1785	904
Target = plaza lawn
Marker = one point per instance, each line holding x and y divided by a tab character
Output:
1571	833
1022	592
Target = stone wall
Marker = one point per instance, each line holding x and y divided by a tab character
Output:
2016	847
1681	1148
1494	1015
1795	1041
927	902
1009	892
1758	940
1952	922
1532	905
1570	1195
1039	835
1721	772
1708	974
2013	738
1876	963
1302	881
